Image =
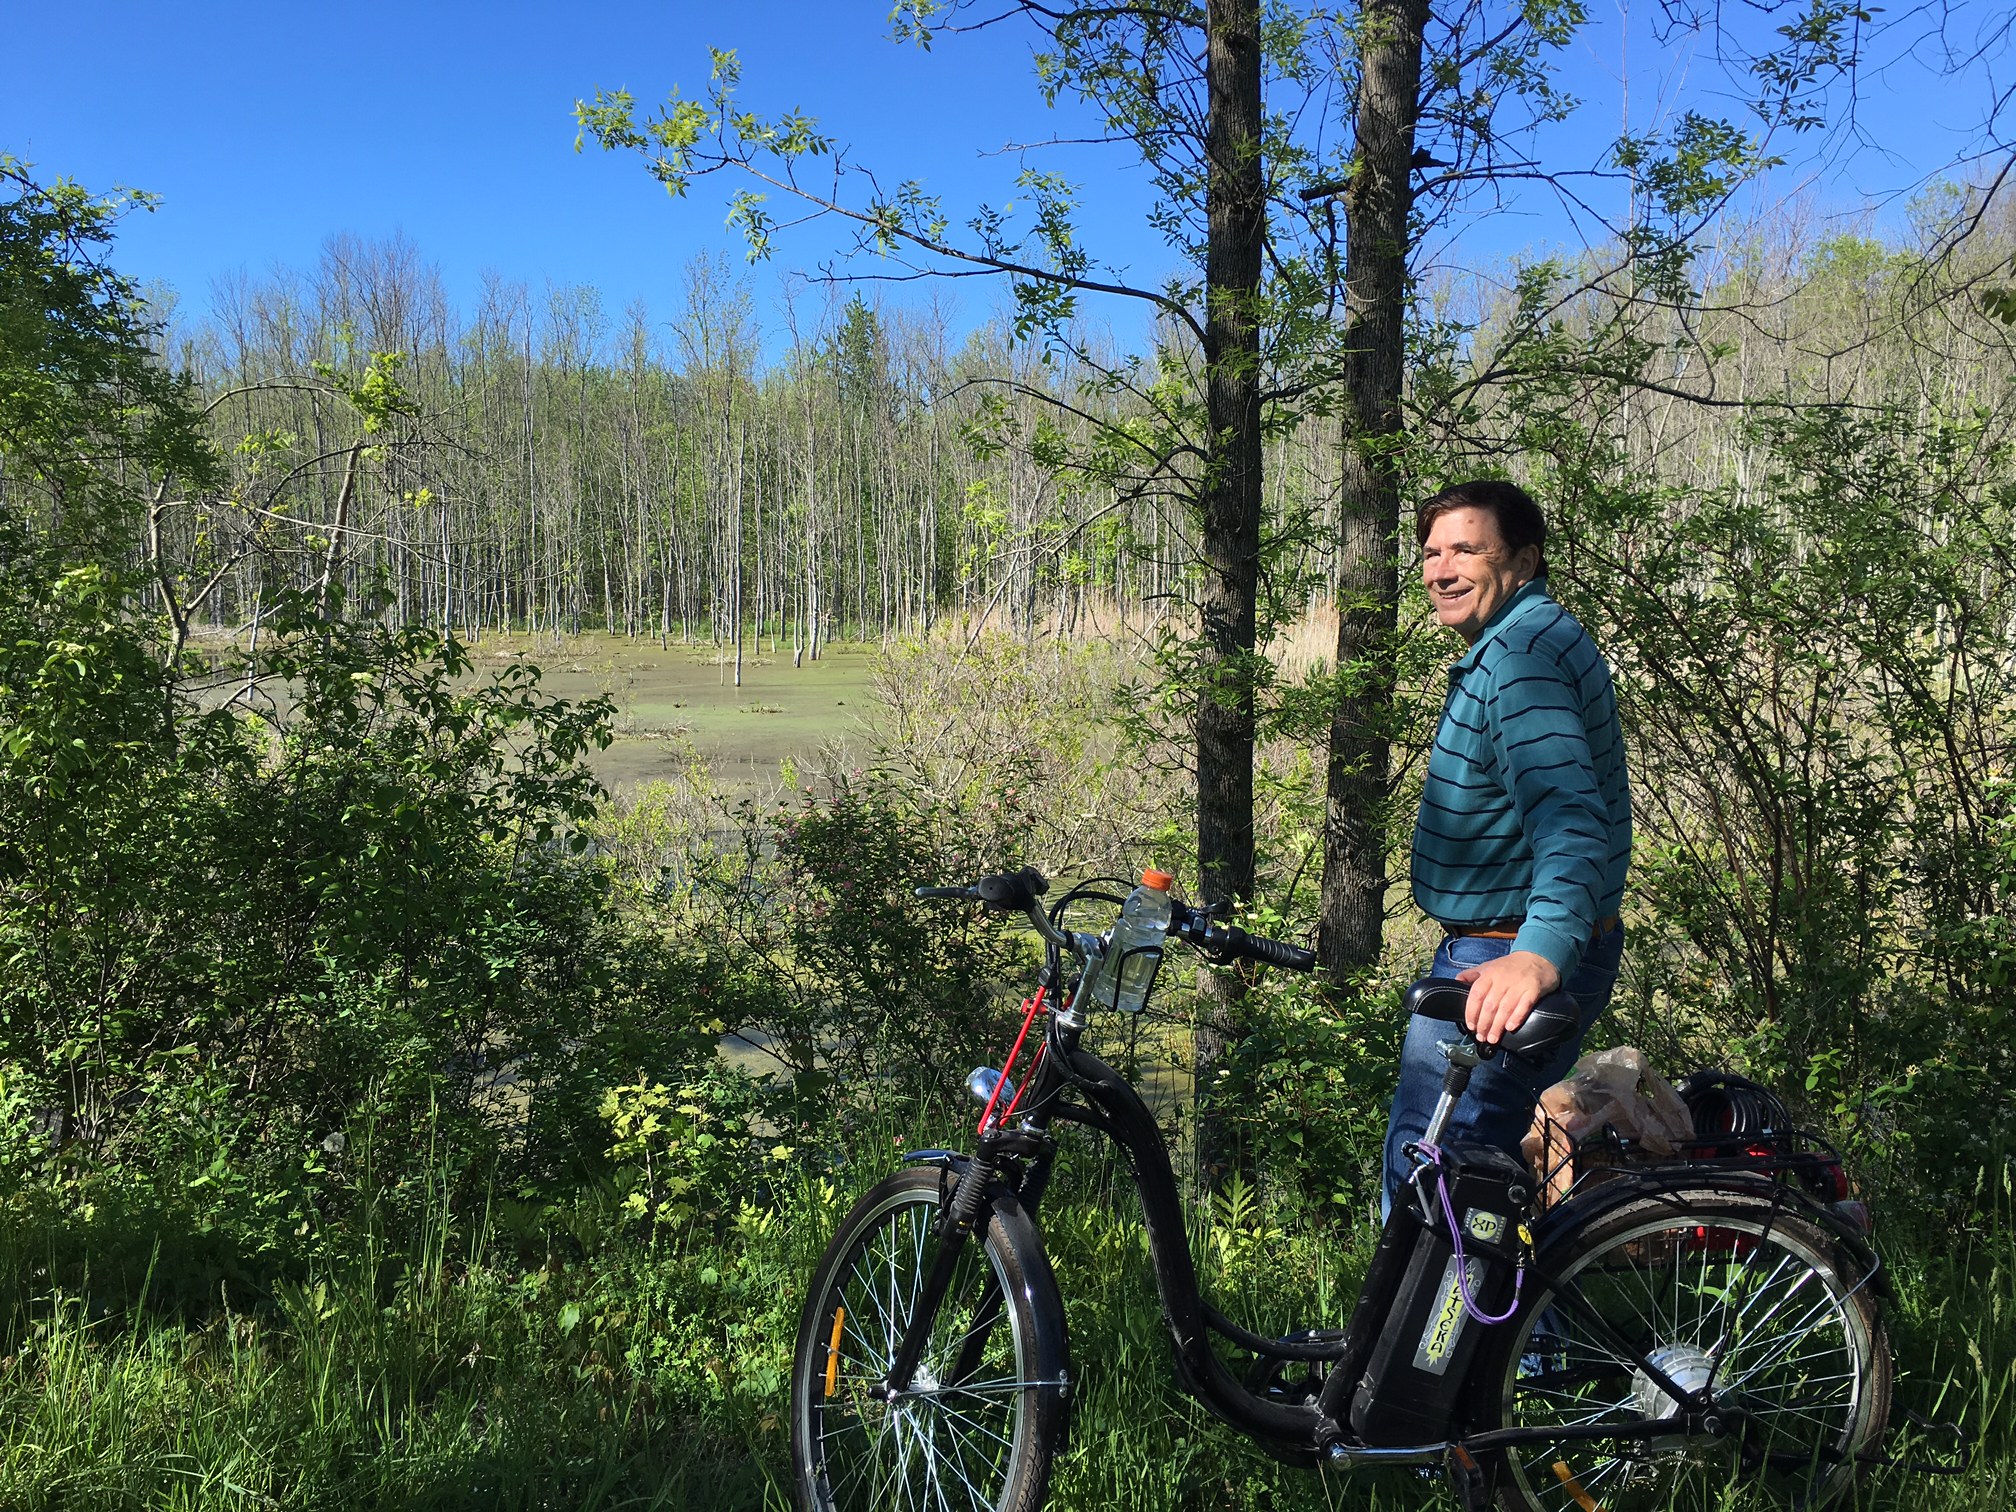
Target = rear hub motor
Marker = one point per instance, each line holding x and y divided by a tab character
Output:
1690	1368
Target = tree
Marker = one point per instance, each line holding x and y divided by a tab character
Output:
1182	86
1231	114
90	421
1433	91
227	934
1379	213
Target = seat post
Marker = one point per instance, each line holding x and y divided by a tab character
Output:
1463	1056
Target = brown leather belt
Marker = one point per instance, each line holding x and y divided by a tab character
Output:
1493	932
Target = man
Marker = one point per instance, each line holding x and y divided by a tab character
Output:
1524	832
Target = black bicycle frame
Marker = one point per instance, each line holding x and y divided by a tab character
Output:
1118	1111
1019	1161
1012	1166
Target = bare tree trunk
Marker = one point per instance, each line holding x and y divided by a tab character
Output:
334	556
735	531
1377	205
1232	501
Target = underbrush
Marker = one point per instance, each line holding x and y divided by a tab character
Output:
581	1356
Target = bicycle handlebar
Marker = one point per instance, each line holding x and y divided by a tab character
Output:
1019	890
1006	893
1228	942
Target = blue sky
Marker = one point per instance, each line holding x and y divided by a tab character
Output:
267	128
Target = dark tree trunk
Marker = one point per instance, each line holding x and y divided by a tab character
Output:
1377	207
1235	206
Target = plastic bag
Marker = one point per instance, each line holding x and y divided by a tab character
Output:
1614	1087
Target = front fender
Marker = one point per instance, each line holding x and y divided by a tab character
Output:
945	1160
1052	1341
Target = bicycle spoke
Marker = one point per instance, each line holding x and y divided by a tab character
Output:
931	1469
1777	1307
973	1492
940	1447
1763	1290
1006	1383
871	1351
906	1446
979	1427
1782	1411
1784	1348
1754	1312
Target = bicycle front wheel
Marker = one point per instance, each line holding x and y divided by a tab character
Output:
1715	1287
975	1430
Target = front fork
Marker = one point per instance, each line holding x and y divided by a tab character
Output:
967	1207
964	1215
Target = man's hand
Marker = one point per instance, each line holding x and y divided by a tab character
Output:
1503	992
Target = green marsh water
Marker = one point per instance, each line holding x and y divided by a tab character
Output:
669	697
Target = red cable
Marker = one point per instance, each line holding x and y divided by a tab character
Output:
1033	1007
1035	1070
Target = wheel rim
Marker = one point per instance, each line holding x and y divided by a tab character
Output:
1756	1312
953	1441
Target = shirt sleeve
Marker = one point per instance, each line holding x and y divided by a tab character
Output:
1534	720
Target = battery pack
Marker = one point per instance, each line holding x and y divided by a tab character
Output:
1422	1359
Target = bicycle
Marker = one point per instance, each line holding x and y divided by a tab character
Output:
1650	1342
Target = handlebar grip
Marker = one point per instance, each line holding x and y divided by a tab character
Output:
1005	894
1273	952
1013	891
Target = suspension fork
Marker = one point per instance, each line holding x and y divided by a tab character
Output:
969	1202
988	1310
963	1215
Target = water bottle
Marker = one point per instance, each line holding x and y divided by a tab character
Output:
1136	950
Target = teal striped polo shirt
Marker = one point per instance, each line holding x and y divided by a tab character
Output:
1525	810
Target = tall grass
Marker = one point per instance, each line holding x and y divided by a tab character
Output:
575	1360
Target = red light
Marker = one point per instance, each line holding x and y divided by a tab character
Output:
1722	1241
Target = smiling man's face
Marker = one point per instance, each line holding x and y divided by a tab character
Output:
1468	572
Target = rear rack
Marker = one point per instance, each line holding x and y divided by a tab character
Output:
1798	1157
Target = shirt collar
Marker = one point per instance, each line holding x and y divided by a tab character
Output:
1530	598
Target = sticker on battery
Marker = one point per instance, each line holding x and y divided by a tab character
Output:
1445	1319
1484	1225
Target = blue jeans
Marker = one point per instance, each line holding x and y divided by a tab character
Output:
1497	1109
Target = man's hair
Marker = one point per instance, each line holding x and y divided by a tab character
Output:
1519	520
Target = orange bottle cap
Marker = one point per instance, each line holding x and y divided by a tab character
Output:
1157	879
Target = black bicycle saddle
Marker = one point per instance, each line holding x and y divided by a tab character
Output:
1550	1025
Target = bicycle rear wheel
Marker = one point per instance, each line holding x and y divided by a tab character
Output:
976	1429
1715	1287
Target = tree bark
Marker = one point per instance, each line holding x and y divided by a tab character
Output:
1236	215
1377	206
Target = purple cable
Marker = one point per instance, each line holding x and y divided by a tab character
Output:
1434	1154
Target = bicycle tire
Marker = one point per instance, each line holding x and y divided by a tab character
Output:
1710	1284
983	1443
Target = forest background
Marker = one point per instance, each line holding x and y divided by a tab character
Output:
369	1133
